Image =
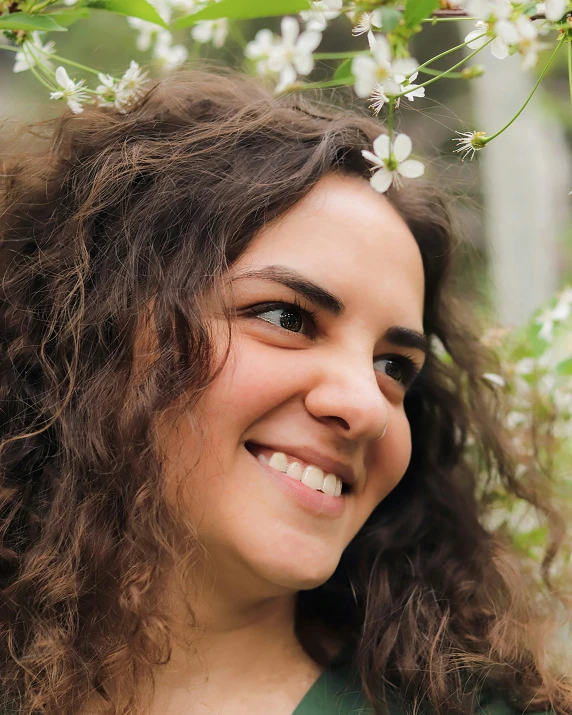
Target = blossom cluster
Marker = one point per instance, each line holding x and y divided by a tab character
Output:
382	72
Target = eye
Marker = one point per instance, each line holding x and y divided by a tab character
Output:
289	316
401	368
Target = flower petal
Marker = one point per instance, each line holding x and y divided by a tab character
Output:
308	41
303	62
499	48
381	180
381	50
290	30
62	77
372	157
411	169
381	146
402	147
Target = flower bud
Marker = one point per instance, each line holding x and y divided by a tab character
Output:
474	71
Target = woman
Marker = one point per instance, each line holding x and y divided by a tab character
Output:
233	467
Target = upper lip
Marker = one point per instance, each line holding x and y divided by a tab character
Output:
311	455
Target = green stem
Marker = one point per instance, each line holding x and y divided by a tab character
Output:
73	64
40	79
335	55
433	20
570	66
327	83
447	52
436	73
486	140
443	74
390	115
10	48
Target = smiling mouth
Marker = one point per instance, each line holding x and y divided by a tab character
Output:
311	473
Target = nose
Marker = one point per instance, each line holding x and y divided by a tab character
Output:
346	396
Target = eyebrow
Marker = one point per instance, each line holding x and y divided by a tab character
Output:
397	335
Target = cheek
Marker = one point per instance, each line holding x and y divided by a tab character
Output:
390	456
250	384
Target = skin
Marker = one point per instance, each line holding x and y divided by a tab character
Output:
321	389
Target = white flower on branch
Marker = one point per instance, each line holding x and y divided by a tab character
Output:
378	97
551	316
148	30
33	52
214	31
409	86
553	9
260	49
322	11
367	21
292	53
106	91
391	161
522	35
168	55
72	92
474	8
370	72
130	87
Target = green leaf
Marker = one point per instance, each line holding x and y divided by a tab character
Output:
417	10
23	21
565	367
132	8
65	19
344	71
243	10
390	18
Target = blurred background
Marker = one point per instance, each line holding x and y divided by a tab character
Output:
511	202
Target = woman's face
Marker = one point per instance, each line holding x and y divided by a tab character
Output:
320	390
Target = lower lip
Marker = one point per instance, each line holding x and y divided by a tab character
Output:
315	502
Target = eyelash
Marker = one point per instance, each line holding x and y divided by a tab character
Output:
407	362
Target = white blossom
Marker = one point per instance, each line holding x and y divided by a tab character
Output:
391	161
260	49
322	11
369	72
408	86
521	34
553	9
130	87
550	316
475	8
214	31
168	56
367	21
525	366
106	91
292	53
72	92
32	51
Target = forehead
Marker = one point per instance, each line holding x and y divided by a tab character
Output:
349	239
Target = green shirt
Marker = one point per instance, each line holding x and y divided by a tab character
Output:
336	692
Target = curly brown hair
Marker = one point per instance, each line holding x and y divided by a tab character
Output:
115	213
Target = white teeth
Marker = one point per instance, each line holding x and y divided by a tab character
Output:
278	461
295	470
313	477
330	484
